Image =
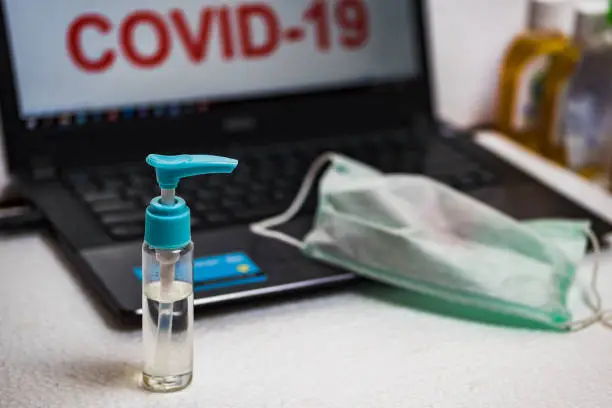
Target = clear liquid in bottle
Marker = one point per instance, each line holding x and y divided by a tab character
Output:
167	319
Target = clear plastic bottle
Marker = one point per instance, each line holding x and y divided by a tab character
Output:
587	116
167	273
167	317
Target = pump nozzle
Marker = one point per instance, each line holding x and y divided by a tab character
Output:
171	169
167	220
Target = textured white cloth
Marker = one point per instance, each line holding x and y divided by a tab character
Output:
355	348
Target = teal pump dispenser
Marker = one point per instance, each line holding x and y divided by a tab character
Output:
168	219
167	272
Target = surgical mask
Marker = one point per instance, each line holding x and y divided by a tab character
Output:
415	233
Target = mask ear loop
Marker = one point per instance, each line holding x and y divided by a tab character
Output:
263	228
593	298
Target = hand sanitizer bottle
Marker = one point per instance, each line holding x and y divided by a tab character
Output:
167	265
524	70
587	117
589	23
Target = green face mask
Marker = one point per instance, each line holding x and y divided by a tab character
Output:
415	233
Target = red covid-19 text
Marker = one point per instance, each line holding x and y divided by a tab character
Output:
233	26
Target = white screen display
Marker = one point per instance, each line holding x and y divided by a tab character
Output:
75	55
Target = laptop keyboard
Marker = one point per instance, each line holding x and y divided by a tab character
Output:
264	183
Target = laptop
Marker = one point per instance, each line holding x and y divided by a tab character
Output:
90	87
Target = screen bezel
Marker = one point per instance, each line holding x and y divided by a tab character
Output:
281	118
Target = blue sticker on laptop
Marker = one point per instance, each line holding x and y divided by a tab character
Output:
222	271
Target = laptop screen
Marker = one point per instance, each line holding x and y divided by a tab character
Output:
81	60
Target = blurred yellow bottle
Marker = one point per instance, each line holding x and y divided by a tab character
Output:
590	22
524	69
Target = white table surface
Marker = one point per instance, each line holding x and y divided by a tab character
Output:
361	347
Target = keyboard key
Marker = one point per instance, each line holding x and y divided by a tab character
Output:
113	205
231	203
206	195
82	183
142	190
258	187
280	196
123	217
104	195
79	178
135	195
257	200
216	218
216	180
200	206
233	191
190	184
241	178
188	196
113	183
486	177
137	180
127	231
256	214
282	183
